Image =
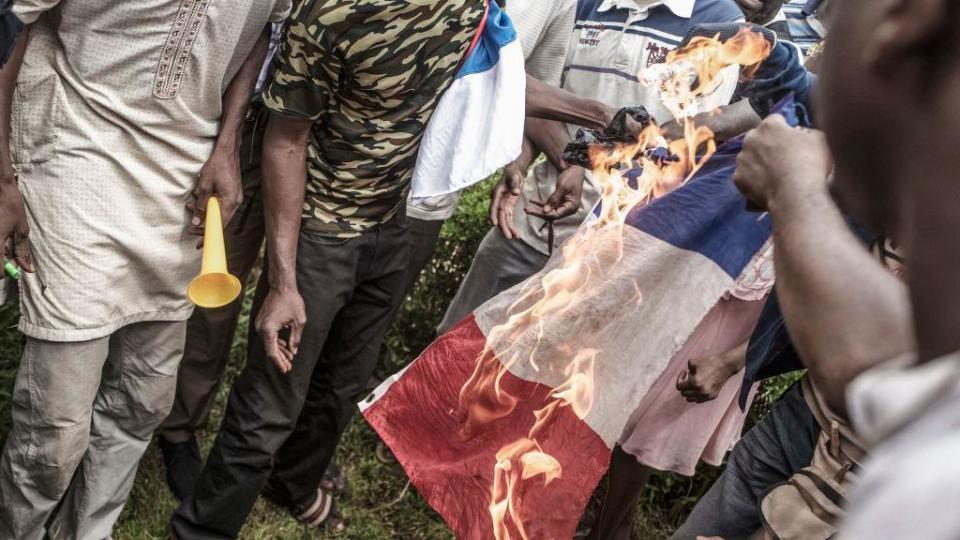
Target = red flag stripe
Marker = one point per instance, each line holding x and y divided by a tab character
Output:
419	419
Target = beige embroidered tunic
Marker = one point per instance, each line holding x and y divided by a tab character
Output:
117	108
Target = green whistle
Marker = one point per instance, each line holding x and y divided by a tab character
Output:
11	270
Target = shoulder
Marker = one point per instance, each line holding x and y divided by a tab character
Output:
565	5
549	7
587	9
563	10
715	11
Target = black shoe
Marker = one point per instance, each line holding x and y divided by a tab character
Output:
183	464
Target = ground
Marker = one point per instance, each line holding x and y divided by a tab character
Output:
379	505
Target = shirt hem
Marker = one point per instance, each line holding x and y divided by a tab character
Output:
86	334
332	230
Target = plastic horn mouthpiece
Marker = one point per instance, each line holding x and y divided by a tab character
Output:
214	287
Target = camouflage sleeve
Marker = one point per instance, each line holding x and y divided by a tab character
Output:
307	71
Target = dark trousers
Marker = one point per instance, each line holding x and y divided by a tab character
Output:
770	453
424	235
210	331
285	428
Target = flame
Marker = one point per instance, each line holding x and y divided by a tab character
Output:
584	262
693	71
599	246
516	463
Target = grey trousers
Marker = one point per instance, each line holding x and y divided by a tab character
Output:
498	265
83	414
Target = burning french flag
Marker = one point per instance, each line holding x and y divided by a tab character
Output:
477	127
506	423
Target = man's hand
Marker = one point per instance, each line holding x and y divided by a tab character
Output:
13	222
219	177
704	377
503	199
282	309
781	161
565	200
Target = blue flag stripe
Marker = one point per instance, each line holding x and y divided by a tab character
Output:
497	33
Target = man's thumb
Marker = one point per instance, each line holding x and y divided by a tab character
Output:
515	183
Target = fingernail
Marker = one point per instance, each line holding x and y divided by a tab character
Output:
196	221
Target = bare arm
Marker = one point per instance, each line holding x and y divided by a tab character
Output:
220	175
13	216
549	137
552	103
284	186
725	122
506	192
844	311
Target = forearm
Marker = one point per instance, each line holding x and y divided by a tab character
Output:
845	313
548	137
725	122
730	121
551	103
284	181
8	84
736	358
236	100
528	153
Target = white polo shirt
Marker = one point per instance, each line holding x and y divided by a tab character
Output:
612	42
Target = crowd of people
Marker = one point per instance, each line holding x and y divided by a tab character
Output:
120	120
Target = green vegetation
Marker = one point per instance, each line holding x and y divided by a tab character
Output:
380	505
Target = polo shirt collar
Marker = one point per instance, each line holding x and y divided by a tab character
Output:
680	8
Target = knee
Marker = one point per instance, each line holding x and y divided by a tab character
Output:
47	460
143	404
256	422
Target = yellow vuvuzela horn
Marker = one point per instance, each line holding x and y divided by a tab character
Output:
214	287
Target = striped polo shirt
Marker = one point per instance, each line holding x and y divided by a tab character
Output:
612	42
803	23
615	40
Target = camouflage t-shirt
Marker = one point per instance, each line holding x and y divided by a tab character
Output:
370	73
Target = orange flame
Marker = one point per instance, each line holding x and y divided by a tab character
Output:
709	56
584	261
693	71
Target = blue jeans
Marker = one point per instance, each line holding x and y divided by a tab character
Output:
781	444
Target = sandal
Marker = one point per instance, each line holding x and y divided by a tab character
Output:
323	513
384	454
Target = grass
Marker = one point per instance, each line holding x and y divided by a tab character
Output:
380	505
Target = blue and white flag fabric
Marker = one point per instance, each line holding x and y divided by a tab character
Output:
477	127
